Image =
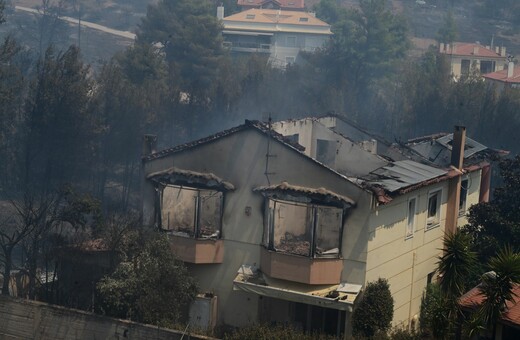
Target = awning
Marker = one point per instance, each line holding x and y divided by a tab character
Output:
285	190
176	176
247	33
339	297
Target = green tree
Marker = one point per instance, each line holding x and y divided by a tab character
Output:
375	311
365	45
149	286
495	224
60	125
2	8
447	34
433	317
497	286
190	35
456	265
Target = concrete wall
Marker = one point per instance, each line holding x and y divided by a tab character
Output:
240	159
24	319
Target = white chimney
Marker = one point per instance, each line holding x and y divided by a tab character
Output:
475	49
503	51
441	47
220	12
510	69
497	50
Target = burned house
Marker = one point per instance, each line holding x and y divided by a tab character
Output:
286	222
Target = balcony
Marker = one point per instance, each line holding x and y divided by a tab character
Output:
196	250
249	47
313	271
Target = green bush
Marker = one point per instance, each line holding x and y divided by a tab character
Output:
375	311
278	332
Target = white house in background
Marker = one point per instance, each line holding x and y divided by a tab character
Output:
464	56
285	223
509	78
278	34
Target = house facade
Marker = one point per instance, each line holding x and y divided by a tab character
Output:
280	35
287	222
465	57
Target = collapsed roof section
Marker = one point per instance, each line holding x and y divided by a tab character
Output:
437	149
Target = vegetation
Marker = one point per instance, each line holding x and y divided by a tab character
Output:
150	285
375	310
267	332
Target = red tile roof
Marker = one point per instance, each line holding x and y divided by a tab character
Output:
474	298
502	76
281	3
471	49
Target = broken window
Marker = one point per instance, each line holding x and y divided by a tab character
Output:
434	207
191	212
303	229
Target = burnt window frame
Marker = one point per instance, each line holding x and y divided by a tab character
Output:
197	210
269	226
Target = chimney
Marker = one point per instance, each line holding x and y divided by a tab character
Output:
503	51
441	47
220	12
510	69
475	49
149	144
457	159
497	50
457	147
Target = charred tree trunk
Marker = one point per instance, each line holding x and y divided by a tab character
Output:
7	269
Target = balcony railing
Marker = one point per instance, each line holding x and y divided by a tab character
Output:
247	47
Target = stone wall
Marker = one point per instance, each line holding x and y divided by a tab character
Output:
24	319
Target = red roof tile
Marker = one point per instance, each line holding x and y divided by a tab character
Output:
471	49
474	298
502	76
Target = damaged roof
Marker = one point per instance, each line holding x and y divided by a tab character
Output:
437	150
318	194
178	176
401	174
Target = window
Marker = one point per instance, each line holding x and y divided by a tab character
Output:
410	226
303	229
434	207
289	60
464	66
487	66
291	41
304	19
293	138
463	197
250	16
191	212
326	151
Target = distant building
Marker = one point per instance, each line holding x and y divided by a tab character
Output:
508	78
292	5
465	56
278	34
